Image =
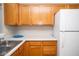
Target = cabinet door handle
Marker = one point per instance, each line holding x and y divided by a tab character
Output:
34	46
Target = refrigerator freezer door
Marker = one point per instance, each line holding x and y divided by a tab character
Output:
68	44
69	20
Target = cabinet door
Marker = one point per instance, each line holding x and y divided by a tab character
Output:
24	15
26	49
34	14
73	6
10	14
20	51
46	15
49	50
57	7
16	53
35	51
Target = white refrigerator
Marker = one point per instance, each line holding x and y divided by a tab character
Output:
66	31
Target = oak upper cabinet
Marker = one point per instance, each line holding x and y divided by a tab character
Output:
46	15
34	14
24	15
73	6
11	13
41	15
57	7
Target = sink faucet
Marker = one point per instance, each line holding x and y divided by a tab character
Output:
2	35
4	39
1	40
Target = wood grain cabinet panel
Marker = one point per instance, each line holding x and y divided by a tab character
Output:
35	51
34	14
20	51
57	7
35	48
46	15
73	6
26	49
11	13
24	15
48	43
41	15
49	50
16	53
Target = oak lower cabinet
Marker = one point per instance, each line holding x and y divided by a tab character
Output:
20	51
37	48
16	53
49	50
35	51
26	49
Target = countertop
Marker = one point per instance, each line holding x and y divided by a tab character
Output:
27	39
32	38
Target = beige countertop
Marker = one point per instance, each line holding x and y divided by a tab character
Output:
32	38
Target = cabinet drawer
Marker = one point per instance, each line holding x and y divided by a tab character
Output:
35	43
50	43
49	50
35	51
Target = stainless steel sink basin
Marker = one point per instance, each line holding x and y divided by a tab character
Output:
5	49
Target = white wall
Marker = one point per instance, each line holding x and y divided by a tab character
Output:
32	30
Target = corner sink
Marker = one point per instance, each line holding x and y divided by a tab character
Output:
5	49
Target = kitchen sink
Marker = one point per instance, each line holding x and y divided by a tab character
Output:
4	49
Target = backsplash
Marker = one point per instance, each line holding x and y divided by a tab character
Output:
31	30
